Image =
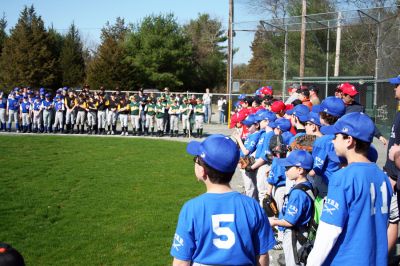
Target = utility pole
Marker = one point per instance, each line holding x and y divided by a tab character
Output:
230	59
338	39
302	39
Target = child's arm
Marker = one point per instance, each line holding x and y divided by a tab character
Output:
263	260
177	262
282	222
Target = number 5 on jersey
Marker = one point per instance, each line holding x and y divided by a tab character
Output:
226	237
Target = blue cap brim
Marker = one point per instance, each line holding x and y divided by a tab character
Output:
395	80
193	148
303	118
283	162
329	130
290	112
272	124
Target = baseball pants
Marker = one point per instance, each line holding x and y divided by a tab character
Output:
262	184
111	118
135	121
288	246
199	121
80	118
160	124
26	120
37	119
101	119
149	121
70	117
59	120
91	118
123	119
46	119
2	115
185	121
174	122
250	185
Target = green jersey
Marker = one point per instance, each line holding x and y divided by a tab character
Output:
185	108
159	109
135	107
174	109
199	109
151	109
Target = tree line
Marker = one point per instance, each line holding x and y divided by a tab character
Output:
155	53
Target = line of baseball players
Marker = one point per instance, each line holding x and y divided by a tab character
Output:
97	112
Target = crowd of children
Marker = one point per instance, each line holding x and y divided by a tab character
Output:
298	153
97	112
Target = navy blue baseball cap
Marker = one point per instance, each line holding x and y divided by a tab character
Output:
250	120
395	80
217	151
333	106
47	95
281	123
358	125
301	112
316	108
314	118
299	158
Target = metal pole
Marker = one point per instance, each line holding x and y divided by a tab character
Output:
327	62
338	39
302	40
230	58
285	65
378	41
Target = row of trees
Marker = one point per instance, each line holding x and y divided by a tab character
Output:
155	53
358	45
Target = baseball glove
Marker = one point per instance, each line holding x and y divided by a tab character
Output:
246	162
304	142
270	207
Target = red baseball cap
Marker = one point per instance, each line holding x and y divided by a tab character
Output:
278	106
266	90
349	89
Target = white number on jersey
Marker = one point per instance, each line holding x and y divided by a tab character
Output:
383	189
229	239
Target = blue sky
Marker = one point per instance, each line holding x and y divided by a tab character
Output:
90	15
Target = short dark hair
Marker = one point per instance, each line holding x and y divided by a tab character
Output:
297	102
305	93
361	146
330	119
215	176
313	88
10	256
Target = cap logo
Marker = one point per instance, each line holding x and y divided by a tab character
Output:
298	164
345	130
203	155
326	110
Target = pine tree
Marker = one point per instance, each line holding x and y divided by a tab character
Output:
26	58
109	67
72	64
3	34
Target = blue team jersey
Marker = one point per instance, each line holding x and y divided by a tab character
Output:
3	103
358	202
36	105
13	104
298	207
286	137
59	106
25	106
295	136
260	143
222	229
277	174
46	104
265	148
326	161
251	142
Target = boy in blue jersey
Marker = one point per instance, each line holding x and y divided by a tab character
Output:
354	220
298	206
247	148
220	227
325	160
3	106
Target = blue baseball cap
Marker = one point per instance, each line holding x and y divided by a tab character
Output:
242	96
47	95
217	151
301	112
267	115
281	123
356	124
333	106
314	118
250	120
299	158
395	80
316	108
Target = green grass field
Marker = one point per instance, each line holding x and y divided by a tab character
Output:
93	200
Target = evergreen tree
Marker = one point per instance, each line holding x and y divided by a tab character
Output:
159	51
3	34
206	37
26	58
109	67
71	58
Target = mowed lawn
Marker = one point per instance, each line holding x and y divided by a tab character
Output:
93	200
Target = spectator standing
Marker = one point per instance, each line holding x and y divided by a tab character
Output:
207	104
314	90
221	109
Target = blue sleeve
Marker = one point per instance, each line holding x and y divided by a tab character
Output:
184	245
251	142
335	210
266	239
286	137
319	155
277	174
265	148
294	206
